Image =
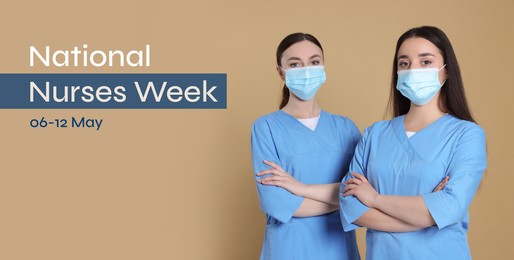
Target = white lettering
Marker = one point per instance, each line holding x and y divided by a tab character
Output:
208	93
82	57
45	96
149	87
45	60
177	93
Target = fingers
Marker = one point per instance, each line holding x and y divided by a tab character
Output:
276	175
272	172
360	177
442	184
349	190
349	187
275	169
273	165
353	181
272	180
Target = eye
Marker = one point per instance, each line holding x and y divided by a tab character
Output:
426	62
316	62
294	65
403	64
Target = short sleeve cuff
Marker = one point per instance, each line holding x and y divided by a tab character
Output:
280	204
351	209
436	205
289	209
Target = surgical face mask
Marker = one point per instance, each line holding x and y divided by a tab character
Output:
419	85
304	82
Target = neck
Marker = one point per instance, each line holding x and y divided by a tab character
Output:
302	108
419	117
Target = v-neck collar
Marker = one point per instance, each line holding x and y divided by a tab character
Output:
405	141
294	121
424	129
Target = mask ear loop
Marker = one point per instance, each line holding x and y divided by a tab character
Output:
282	72
444	81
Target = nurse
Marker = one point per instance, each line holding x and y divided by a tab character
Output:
315	147
432	137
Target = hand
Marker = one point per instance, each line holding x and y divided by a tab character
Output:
442	184
280	178
360	188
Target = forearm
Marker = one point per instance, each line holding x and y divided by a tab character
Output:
410	209
378	220
310	208
328	193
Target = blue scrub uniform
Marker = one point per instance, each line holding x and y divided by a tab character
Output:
312	157
397	165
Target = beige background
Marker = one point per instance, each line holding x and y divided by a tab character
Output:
177	184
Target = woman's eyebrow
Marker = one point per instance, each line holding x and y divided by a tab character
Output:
294	58
312	57
426	54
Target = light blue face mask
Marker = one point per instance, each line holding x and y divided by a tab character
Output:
419	85
304	82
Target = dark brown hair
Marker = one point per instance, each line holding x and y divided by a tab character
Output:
283	46
452	98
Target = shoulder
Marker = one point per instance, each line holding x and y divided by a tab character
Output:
469	141
340	120
380	126
464	124
266	123
266	119
465	129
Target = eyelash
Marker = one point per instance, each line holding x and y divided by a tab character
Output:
296	64
404	64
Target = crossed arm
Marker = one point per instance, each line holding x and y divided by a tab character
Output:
386	213
319	199
410	209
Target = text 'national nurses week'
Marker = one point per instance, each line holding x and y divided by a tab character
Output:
102	90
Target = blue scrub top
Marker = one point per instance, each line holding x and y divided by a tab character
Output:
312	157
397	165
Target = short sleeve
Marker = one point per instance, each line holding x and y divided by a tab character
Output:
350	207
466	169
274	201
354	132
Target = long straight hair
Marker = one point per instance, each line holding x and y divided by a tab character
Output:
452	98
283	46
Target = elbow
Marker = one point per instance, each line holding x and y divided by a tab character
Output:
361	222
447	211
426	224
425	221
